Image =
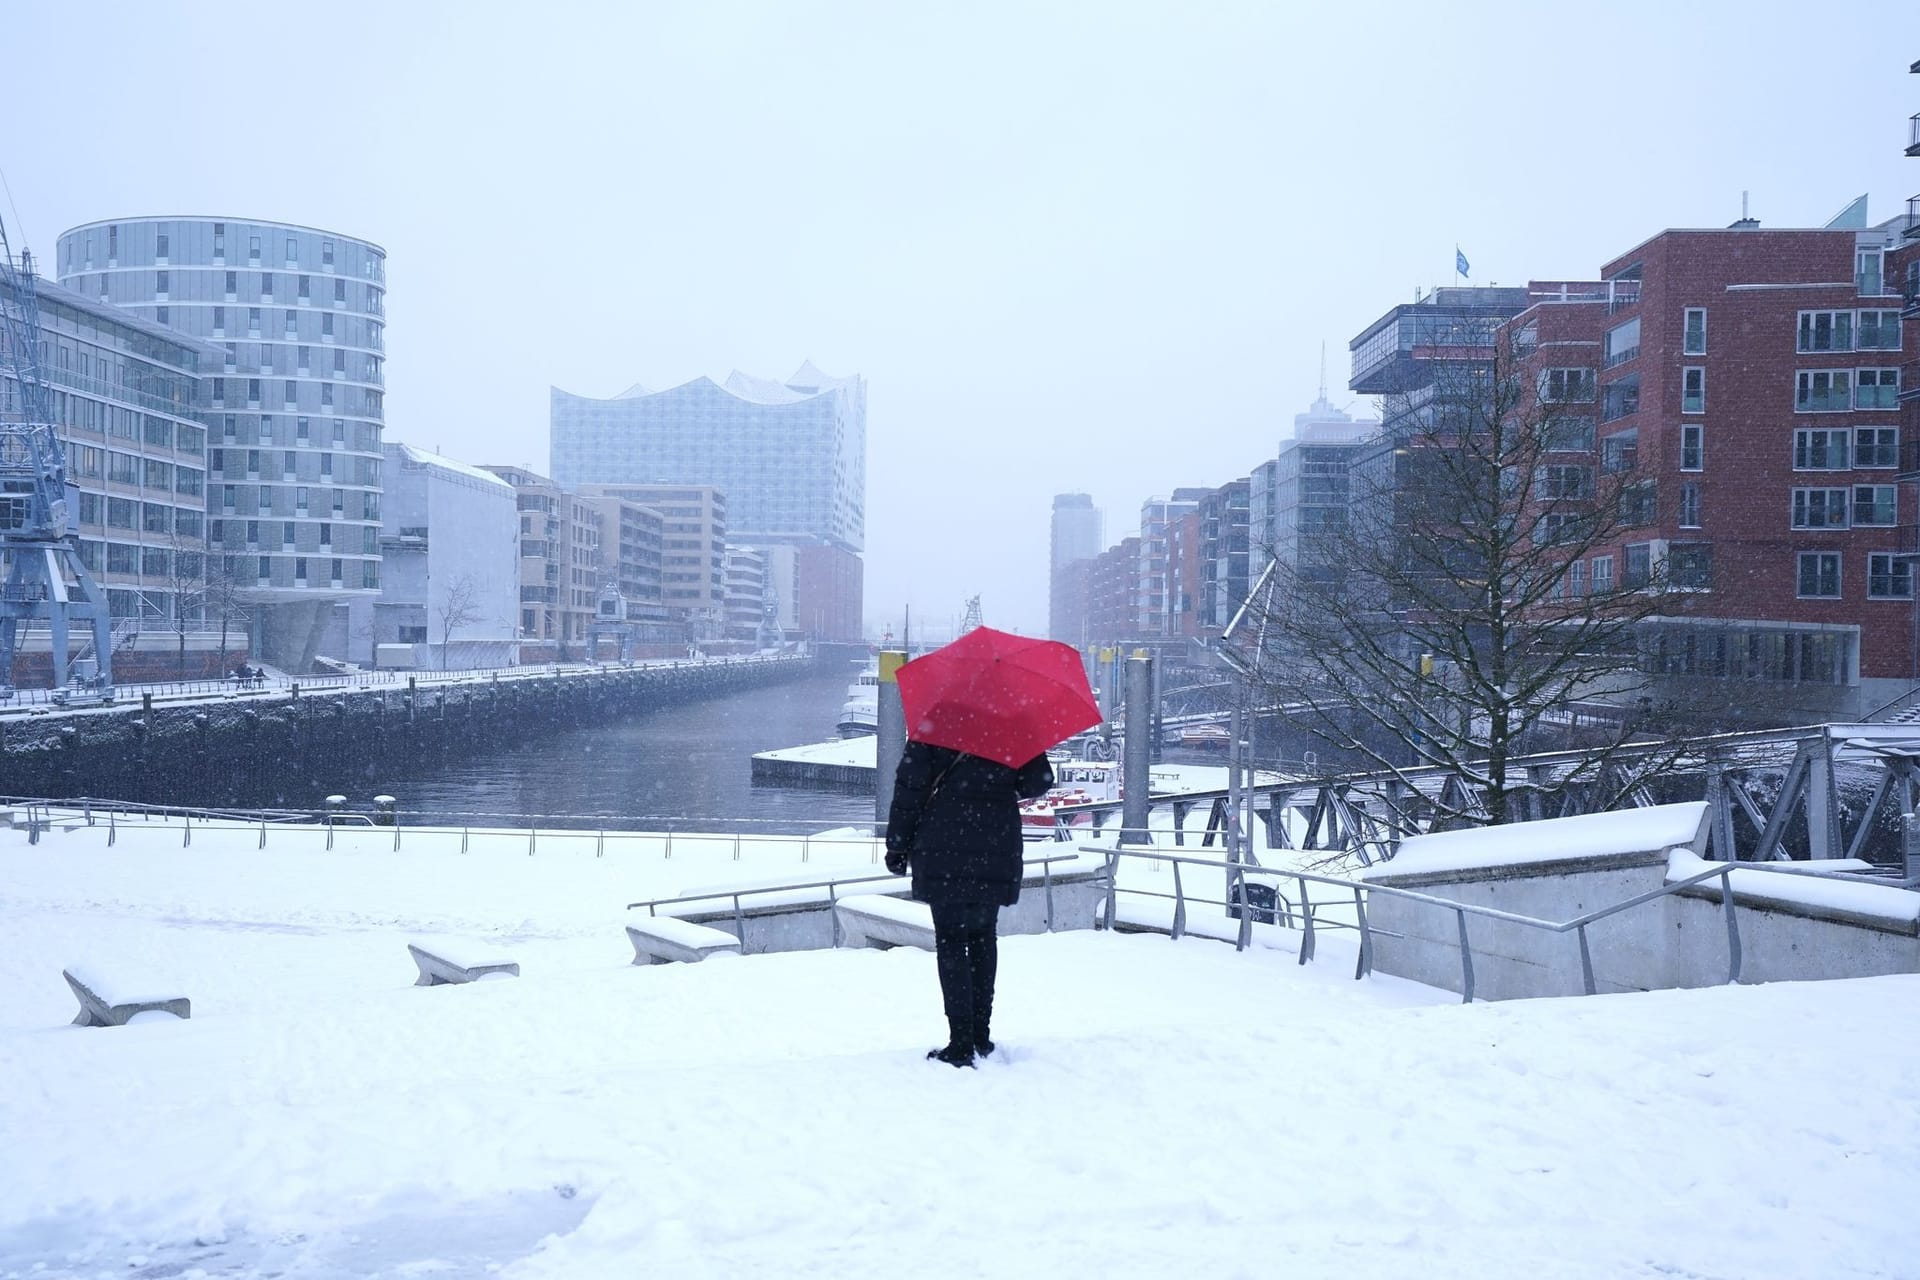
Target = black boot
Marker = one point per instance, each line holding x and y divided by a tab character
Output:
954	1055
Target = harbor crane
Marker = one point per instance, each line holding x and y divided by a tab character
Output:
42	577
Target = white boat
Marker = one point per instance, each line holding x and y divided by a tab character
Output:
860	715
1074	782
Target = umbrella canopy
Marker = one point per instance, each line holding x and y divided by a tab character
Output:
1001	696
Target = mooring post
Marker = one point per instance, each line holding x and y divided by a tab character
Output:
890	736
1137	748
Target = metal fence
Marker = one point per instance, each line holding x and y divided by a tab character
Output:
1355	893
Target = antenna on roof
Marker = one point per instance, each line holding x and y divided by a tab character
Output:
1323	368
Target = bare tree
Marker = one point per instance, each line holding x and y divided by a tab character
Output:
458	608
1484	583
203	587
220	596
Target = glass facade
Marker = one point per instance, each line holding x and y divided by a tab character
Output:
790	457
127	398
293	403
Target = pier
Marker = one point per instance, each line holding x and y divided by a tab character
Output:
141	747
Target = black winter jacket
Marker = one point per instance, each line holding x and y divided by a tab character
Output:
957	818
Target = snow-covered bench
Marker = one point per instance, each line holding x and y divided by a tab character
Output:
103	1004
872	920
447	963
662	939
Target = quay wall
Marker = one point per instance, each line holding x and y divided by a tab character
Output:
260	748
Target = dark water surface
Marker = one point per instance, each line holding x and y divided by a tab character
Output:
688	763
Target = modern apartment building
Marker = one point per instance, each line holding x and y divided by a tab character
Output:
1748	380
293	408
1225	554
559	567
746	604
450	569
1113	594
631	539
693	550
790	456
1169	584
127	397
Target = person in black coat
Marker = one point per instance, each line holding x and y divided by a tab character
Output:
955	822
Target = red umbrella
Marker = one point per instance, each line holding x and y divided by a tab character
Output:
1001	696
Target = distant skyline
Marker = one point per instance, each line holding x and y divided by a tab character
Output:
1071	249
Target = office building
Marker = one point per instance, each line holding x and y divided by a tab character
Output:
293	408
559	567
693	551
127	397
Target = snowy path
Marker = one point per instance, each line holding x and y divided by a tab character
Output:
1164	1107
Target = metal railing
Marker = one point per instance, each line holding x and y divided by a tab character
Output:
1360	891
833	886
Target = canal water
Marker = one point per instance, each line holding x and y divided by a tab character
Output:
683	767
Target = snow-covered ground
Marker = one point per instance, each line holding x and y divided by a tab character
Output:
1158	1107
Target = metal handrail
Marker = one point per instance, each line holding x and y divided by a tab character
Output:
832	886
1238	871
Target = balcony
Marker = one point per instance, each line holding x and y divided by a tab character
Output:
1913	136
1913	218
1624	294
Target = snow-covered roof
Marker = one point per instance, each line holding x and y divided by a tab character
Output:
426	458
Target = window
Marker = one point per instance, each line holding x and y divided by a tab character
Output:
120	512
293	323
293	251
1638	567
288	533
1825	331
1823	390
326	253
1577	578
220	328
1866	271
326	535
1638	504
304	290
1693	389
1876	388
1622	343
1689	506
1820	449
154	561
1693	447
1878	331
301	430
326	328
1889	577
1620	452
253	322
157	475
1873	504
1564	482
1876	446
160	315
1602	575
339	293
219	241
160	283
233	284
1693	332
1819	508
266	286
293	393
1566	386
1620	398
1690	565
253	248
160	242
89	508
119	558
122	468
1819	575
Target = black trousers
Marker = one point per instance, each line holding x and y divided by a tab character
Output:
966	951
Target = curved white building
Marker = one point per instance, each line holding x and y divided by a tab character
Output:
295	408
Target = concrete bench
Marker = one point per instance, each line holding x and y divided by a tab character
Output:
871	920
103	1004
663	939
446	964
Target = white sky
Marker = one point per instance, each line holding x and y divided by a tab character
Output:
1072	247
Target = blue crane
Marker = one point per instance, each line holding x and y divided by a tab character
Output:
41	575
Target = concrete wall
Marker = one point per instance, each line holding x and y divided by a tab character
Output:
808	926
1675	941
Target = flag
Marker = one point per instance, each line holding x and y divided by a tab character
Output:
1459	260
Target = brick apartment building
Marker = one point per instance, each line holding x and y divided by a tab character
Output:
1747	379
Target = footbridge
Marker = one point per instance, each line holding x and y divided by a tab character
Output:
1816	791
